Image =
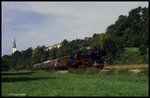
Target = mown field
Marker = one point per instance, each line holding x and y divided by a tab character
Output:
43	83
131	56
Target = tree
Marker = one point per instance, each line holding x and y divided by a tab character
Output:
95	41
39	55
138	19
15	60
142	49
26	57
133	29
101	39
64	42
114	48
5	63
53	54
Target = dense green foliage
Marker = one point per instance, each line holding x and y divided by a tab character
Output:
73	46
39	55
132	56
132	29
127	31
42	83
18	60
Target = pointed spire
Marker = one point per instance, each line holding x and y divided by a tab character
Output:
14	44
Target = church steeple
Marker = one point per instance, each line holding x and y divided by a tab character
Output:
14	46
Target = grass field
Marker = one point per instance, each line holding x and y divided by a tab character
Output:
42	83
131	56
131	49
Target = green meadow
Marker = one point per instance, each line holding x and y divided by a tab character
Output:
44	83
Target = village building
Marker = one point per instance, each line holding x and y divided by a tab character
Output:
14	47
54	46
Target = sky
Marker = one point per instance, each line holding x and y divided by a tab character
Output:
35	24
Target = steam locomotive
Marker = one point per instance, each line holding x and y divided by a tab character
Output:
87	58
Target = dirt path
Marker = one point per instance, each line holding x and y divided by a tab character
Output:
104	70
136	70
63	71
132	70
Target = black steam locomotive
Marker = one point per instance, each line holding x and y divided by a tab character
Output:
87	58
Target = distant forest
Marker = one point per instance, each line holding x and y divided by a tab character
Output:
127	31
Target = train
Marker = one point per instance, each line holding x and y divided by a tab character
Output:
83	59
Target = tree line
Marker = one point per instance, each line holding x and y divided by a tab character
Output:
127	31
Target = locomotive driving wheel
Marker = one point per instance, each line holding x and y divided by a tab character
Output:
82	66
100	68
70	67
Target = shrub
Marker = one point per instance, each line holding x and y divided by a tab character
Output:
124	71
111	71
142	49
51	70
92	70
89	71
144	72
118	71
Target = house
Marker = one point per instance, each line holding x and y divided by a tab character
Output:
54	46
87	38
